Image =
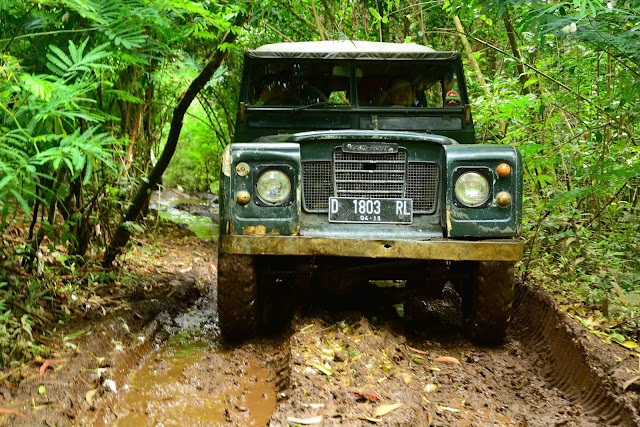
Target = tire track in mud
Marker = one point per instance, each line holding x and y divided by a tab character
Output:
572	359
578	379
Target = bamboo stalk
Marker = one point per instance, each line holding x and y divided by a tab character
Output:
475	66
317	18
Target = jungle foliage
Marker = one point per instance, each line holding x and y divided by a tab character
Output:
88	88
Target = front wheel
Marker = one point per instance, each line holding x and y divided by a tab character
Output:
487	301
237	296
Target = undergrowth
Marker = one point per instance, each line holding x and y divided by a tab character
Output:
591	267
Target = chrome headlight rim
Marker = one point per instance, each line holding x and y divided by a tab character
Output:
286	172
484	173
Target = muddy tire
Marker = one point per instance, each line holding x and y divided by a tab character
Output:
489	302
237	296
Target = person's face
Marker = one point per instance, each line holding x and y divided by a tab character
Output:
401	93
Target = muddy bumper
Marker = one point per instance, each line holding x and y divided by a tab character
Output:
440	249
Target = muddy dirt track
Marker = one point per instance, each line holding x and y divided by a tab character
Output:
153	356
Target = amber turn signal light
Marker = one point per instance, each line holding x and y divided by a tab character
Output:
503	199
243	197
504	170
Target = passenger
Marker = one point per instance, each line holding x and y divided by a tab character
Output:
402	94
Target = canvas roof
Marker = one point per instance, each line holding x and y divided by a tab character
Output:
349	49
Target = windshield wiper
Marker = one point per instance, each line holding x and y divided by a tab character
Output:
314	104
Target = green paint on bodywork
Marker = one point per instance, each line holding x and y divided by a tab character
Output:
492	220
290	136
283	219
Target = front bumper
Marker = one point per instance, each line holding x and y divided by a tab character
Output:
435	249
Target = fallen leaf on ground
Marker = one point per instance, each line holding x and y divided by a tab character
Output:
630	344
305	421
447	359
385	409
89	396
42	390
417	351
362	393
74	335
44	367
320	367
448	409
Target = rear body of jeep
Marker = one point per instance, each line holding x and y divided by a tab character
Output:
329	181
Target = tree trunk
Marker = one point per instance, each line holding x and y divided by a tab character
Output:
122	234
476	67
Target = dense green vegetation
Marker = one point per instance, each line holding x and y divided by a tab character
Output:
88	90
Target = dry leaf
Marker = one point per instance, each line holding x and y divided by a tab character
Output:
447	359
630	344
89	396
44	367
448	409
362	393
385	409
320	367
305	421
417	351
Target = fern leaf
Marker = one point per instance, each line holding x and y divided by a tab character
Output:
61	55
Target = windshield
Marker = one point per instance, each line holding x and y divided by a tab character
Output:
299	83
415	84
419	84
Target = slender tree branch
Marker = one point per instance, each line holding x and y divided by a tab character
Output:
122	234
18	32
275	30
49	33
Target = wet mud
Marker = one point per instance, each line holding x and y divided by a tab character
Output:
346	366
156	358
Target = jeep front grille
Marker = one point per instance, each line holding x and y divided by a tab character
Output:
379	176
383	176
422	184
317	186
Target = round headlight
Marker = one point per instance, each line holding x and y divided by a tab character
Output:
472	189
274	186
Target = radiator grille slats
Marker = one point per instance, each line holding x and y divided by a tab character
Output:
422	184
380	175
317	186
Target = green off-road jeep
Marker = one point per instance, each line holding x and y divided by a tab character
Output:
356	161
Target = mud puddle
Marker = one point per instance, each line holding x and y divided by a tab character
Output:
191	379
198	212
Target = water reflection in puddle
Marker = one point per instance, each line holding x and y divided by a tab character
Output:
198	212
190	380
186	383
